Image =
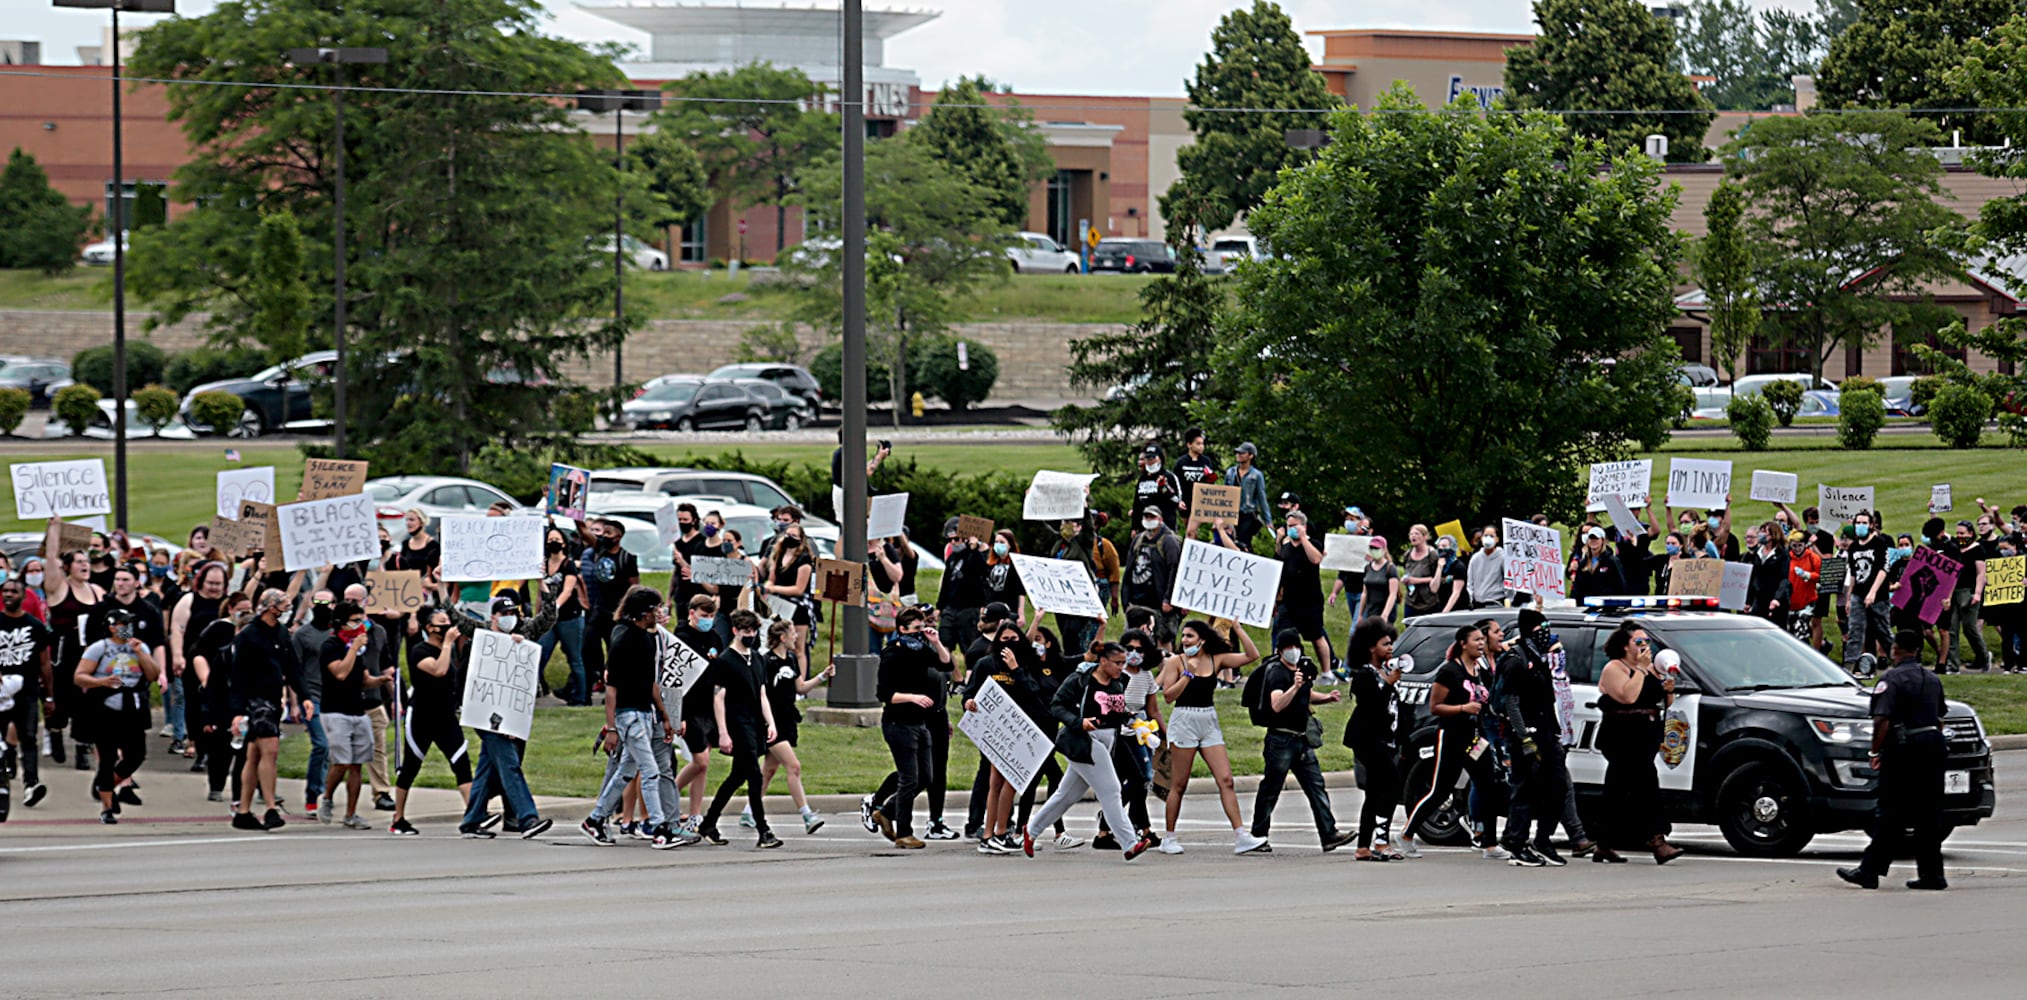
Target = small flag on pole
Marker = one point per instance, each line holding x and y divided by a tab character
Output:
232	454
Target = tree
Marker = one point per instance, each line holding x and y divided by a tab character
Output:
1464	310
1724	267
752	133
1610	56
1841	208
996	148
276	291
675	180
1899	54
39	228
474	217
1751	54
1257	61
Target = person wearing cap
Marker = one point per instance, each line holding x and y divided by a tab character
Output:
1301	606
1252	484
1151	564
1158	488
498	771
1290	690
1909	753
1805	567
114	674
1538	775
1594	569
261	658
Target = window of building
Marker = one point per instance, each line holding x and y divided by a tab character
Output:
1062	228
1690	340
1920	330
140	203
693	245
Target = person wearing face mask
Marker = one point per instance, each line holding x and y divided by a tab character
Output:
1805	568
1456	698
1768	594
261	658
1002	584
306	683
1301	606
1538	778
1966	601
1151	564
498	771
1189	680
697	725
563	574
745	718
1009	661
785	684
25	644
982	654
114	673
72	597
690	543
32	573
1091	705
786	571
1452	574
208	661
1373	733
1158	488
347	676
1053	664
1076	543
1252	484
1485	575
1898	559
1194	467
1867	580
633	709
430	717
379	660
187	619
1289	689
613	571
910	685
2009	618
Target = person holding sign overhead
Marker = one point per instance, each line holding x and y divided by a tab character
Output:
1189	680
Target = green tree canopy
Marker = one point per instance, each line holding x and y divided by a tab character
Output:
1899	54
997	148
1751	53
474	218
753	133
39	227
1994	74
1610	56
1724	267
1463	311
1842	205
674	177
1256	61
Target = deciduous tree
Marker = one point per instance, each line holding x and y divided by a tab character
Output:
754	132
1604	61
996	148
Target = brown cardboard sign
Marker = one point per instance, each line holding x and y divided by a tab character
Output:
1696	577
394	592
841	582
1210	503
974	527
69	538
324	478
263	530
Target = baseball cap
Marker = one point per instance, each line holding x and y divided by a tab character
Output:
1151	509
1287	637
1378	542
1288	496
1151	451
997	611
1248	448
1594	532
1353	510
950	528
505	604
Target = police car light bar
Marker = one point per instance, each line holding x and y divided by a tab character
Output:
1652	603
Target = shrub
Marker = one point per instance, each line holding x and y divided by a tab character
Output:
217	409
1752	420
1785	398
156	406
93	366
13	409
189	369
828	367
576	410
1923	391
75	405
1861	383
774	342
1959	415
1861	413
933	365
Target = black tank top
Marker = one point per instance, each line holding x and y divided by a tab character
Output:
1200	693
64	617
203	611
1647	703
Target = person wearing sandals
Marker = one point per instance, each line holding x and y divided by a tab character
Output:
1292	738
1632	694
1373	732
1188	680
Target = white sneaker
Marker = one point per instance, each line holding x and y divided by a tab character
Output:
1496	853
1170	845
1243	842
1407	847
1065	842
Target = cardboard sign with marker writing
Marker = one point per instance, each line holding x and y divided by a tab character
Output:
262	529
395	592
69	538
1696	578
324	478
1210	503
840	582
974	527
224	534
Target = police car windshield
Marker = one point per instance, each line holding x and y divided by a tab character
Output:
1754	659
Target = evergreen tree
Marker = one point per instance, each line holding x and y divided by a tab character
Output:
1610	57
39	227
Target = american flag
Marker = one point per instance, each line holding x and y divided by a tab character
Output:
232	454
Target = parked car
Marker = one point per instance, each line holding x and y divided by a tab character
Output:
19	545
42	377
101	426
754	524
1772	740
1898	392
1131	256
701	405
1818	403
1752	385
794	378
1036	253
1697	376
1710	403
611	486
277	397
395	496
638	254
786	410
1227	251
100	254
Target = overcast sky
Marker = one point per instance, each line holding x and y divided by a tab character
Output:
1142	47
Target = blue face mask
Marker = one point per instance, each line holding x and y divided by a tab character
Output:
910	641
1861	530
1924	540
706	623
1295	532
1895	555
999	549
1674	549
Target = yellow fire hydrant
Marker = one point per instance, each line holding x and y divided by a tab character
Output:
917	405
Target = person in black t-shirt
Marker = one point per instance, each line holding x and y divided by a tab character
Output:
1456	697
1965	601
25	644
745	718
346	678
633	704
1290	691
261	658
1158	488
910	686
431	717
1195	467
1301	583
1865	641
1372	733
785	684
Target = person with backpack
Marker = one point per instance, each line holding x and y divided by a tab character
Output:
1373	732
1278	696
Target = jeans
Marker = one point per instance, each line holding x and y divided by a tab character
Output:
570	634
320	753
637	757
748	743
1964	626
910	745
1539	789
1868	628
27	710
665	762
499	773
1285	753
172	708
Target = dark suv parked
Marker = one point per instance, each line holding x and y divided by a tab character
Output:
1774	751
1133	256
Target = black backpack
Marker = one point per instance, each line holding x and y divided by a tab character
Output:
1254	697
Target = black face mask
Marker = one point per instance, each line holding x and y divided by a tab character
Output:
553	548
320	616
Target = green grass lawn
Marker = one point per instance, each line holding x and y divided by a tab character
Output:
1901	476
171	490
79	288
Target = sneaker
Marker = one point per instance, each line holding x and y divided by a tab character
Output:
1105	842
214	796
1170	845
128	795
595	831
937	831
36	793
1007	841
82	758
711	834
1065	842
990	845
665	838
476	833
1027	843
1524	857
403	828
328	810
1408	849
245	821
1139	847
626	829
746	821
311	814
107	818
383	802
492	821
274	821
1497	853
768	841
974	832
1583	848
866	814
811	823
536	829
353	822
1548	856
1858	878
1243	842
1337	840
176	746
166	732
909	844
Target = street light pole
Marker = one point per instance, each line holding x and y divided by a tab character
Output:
852	520
338	57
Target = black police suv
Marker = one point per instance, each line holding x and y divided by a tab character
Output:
1766	739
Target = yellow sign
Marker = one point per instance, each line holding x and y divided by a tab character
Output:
1091	236
1454	530
2005	580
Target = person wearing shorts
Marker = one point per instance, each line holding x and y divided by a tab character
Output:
261	658
1189	681
346	726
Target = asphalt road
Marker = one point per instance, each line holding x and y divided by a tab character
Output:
171	911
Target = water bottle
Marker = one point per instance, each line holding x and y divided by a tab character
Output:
239	736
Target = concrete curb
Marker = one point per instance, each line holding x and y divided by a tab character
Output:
2013	742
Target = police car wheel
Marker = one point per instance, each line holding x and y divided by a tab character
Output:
1763	811
1445	826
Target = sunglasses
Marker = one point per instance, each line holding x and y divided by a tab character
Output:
1642	643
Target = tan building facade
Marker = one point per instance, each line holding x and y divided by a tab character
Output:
1359	64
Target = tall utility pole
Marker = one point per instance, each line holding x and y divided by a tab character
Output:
120	219
853	684
619	102
339	57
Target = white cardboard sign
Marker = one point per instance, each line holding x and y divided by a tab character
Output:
1623	517
234	485
720	571
1349	553
1774	487
1533	558
665	523
1056	496
480	547
1837	505
500	684
1060	586
1621	479
1737	578
1005	735
1939	501
333	532
886	514
1699	483
65	489
1226	583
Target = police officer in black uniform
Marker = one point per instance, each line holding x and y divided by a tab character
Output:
1907	751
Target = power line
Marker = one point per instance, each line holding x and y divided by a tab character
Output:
1084	107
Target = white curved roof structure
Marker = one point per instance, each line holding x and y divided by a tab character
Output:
730	34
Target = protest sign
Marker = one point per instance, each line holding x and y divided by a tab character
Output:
324	478
1699	483
1454	531
1005	735
1349	553
478	547
1630	480
1533	558
1696	578
666	526
261	530
568	488
1623	517
1210	503
974	527
331	532
840	581
1055	496
721	572
1226	583
69	538
1837	505
394	591
2004	580
1731	590
1939	499
886	514
500	684
235	485
1835	570
1060	586
62	489
225	535
1926	583
1774	487
678	668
